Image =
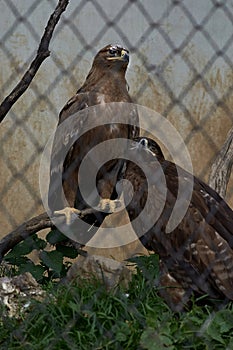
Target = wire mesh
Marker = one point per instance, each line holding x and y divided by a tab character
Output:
181	66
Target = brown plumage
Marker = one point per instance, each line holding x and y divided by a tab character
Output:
104	84
196	257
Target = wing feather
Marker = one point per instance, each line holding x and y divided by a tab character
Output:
198	254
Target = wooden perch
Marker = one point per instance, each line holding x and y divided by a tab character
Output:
30	227
221	168
25	230
42	53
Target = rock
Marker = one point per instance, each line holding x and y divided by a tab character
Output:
16	293
108	271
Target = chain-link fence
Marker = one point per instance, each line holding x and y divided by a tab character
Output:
180	66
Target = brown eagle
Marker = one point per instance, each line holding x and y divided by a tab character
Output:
197	256
105	84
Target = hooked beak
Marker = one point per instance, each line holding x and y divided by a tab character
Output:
123	57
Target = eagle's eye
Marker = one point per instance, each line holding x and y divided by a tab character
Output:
112	50
144	142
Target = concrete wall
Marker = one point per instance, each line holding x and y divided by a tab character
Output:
27	127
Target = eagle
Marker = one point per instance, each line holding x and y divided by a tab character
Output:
196	257
105	85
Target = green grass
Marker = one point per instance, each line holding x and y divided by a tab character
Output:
86	316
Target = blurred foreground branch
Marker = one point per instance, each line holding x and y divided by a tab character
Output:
42	53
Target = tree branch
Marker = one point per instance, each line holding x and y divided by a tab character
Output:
25	230
221	168
30	227
42	53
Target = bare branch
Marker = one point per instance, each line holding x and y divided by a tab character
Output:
221	168
30	227
42	54
25	230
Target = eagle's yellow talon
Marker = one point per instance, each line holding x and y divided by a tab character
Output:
109	205
68	211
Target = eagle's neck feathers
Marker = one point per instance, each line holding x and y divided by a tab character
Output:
106	81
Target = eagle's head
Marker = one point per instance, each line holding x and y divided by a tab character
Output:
113	56
145	144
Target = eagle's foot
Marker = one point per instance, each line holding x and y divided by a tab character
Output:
109	206
68	212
